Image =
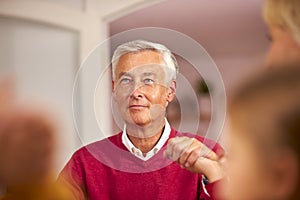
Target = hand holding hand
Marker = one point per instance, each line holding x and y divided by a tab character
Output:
193	155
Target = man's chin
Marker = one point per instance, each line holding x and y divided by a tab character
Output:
141	123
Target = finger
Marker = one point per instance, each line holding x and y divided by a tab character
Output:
183	144
198	152
208	153
192	157
186	153
173	149
176	146
169	150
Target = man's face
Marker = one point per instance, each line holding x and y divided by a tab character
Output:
140	88
284	47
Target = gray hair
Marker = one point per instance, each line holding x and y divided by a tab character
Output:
141	45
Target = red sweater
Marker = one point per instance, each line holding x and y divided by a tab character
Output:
106	170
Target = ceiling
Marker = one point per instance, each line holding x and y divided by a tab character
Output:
221	26
232	31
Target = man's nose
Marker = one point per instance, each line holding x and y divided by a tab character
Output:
137	90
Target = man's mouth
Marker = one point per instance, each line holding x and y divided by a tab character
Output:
136	106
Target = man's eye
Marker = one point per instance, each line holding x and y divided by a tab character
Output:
124	80
148	81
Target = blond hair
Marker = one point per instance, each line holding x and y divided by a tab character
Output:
284	13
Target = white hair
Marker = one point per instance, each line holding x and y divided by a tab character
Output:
142	45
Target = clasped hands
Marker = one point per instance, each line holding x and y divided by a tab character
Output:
196	157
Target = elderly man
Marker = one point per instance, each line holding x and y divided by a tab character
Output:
148	159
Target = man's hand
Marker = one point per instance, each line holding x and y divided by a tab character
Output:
193	155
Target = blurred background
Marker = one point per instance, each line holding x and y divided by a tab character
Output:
44	42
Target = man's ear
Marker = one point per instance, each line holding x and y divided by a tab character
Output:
286	175
171	91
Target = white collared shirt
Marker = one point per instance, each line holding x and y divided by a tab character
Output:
137	152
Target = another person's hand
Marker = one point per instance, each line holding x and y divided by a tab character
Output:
193	155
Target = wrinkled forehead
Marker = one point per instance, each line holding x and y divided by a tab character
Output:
155	71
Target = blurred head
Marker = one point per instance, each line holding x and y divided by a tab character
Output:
26	146
264	146
144	81
283	20
27	143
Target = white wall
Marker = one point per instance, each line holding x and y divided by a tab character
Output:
44	60
44	42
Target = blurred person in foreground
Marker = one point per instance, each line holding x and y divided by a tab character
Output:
264	142
26	151
283	20
264	117
149	159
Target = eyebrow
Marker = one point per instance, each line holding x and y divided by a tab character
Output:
122	74
128	74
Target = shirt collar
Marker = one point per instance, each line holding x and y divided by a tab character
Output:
138	153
